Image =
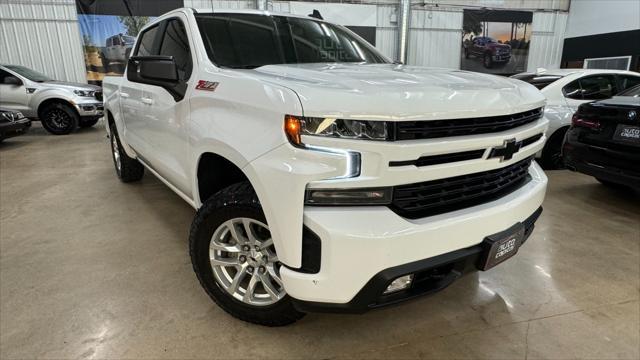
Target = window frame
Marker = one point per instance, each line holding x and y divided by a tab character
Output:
163	29
612	77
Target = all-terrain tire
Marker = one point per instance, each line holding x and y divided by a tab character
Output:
235	201
127	168
551	158
487	61
59	118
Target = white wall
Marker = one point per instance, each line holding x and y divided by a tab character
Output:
43	35
435	38
547	39
590	17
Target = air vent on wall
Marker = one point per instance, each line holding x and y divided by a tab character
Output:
612	63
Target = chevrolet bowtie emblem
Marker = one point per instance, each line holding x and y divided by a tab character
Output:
505	152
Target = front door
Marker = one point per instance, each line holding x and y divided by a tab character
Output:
13	94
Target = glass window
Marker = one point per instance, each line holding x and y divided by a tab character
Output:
633	92
116	41
597	87
28	73
627	81
249	41
176	43
572	90
147	38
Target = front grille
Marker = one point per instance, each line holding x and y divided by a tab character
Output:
98	95
440	196
429	129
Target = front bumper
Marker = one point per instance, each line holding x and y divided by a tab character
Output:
374	239
501	58
15	128
90	108
430	275
608	164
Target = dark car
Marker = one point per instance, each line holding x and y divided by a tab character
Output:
604	140
12	123
489	50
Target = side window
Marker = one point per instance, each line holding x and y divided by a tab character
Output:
572	90
176	43
145	45
627	81
116	40
109	41
591	88
4	75
597	87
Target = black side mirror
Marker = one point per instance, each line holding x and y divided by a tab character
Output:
12	80
159	71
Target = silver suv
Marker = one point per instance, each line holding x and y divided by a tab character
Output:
60	106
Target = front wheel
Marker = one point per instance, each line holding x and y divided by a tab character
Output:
487	61
234	257
551	158
58	118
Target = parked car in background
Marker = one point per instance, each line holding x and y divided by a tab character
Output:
488	50
12	123
60	106
117	49
319	184
604	140
565	90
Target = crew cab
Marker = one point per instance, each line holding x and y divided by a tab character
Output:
325	177
488	50
60	106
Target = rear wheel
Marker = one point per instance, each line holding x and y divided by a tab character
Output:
234	257
551	158
127	168
59	118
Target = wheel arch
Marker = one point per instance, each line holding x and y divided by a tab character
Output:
214	172
53	100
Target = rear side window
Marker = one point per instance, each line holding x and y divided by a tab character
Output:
147	38
627	81
591	88
176	43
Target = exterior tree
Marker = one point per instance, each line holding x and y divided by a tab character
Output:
133	23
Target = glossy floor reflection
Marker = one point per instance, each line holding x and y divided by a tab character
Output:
93	268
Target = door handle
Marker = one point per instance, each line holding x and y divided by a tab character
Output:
124	95
146	100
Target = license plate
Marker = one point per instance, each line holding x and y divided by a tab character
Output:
501	246
628	134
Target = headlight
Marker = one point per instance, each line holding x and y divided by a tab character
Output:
84	93
295	126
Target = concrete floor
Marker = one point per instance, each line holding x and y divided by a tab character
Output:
93	268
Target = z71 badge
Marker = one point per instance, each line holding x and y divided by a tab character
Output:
206	85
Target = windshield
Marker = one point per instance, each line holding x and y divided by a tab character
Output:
539	81
633	91
129	40
251	40
28	73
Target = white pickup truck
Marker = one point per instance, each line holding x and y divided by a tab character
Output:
325	177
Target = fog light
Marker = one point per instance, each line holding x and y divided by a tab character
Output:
400	283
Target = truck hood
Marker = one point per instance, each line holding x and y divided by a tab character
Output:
397	92
69	85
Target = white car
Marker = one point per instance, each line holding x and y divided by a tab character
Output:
565	90
325	177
